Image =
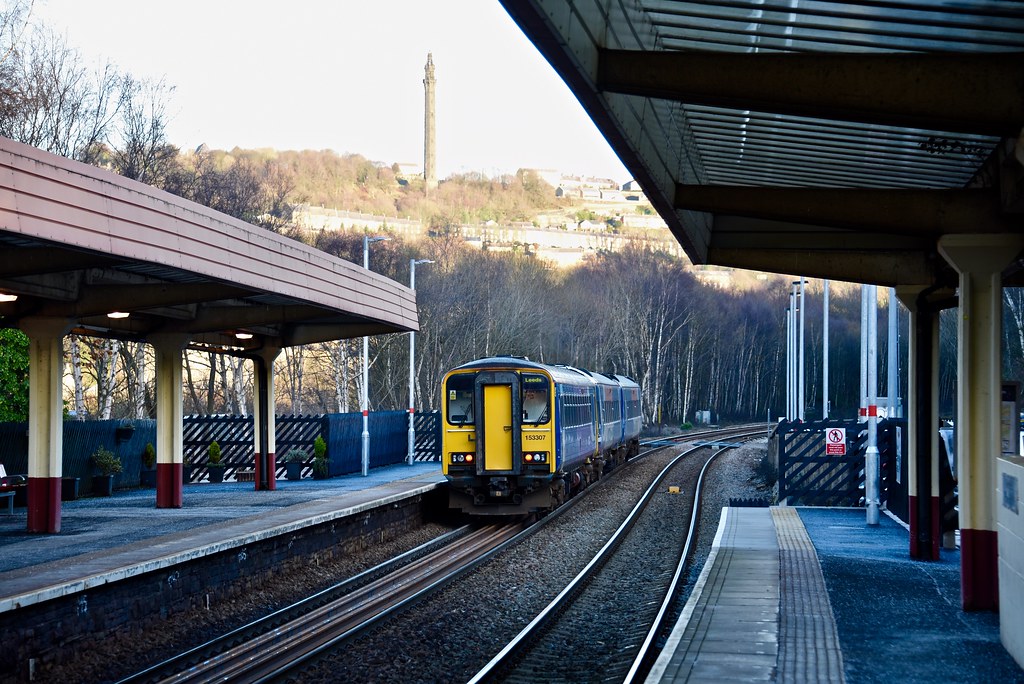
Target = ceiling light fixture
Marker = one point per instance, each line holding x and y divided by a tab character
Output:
243	335
4	297
118	314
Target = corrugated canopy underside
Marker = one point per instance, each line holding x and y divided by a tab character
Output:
781	135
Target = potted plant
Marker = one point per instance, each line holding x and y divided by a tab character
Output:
147	476
124	431
108	464
320	465
294	461
215	465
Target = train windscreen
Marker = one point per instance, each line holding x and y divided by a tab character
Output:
459	395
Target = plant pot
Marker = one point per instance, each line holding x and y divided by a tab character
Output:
102	485
216	473
147	477
293	470
68	488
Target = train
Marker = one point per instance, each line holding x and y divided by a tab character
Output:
521	437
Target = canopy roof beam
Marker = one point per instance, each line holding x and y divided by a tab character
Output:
979	93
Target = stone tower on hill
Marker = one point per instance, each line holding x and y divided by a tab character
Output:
429	151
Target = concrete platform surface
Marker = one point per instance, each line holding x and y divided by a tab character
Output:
815	595
105	538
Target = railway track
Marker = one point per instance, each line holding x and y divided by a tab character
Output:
284	642
271	647
601	620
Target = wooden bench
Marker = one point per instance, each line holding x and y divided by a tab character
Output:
245	475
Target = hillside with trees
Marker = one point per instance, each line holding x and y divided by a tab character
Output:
642	313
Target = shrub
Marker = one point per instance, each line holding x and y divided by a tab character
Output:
106	461
296	455
149	456
320	466
214	452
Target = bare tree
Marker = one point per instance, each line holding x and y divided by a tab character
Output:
139	141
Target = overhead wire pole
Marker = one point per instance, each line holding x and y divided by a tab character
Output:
789	361
893	353
800	370
871	474
795	304
862	411
410	457
365	403
824	352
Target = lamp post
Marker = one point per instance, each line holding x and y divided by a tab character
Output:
800	356
366	369
412	367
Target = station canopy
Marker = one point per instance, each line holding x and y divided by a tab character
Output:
824	139
116	258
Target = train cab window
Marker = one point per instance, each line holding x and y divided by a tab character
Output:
536	401
459	399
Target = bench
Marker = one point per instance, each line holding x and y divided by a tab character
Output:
245	475
9	496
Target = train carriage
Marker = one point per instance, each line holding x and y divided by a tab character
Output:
632	414
520	436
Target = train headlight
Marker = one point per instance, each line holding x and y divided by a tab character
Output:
463	458
536	457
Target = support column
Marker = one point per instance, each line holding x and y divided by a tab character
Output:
979	259
170	457
923	426
45	421
263	417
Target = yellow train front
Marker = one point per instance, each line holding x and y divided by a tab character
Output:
517	436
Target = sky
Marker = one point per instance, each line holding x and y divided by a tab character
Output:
346	75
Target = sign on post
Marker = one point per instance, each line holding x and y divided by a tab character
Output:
835	441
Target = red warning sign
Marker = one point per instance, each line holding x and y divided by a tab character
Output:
835	442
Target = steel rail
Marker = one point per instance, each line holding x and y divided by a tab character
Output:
513	648
520	642
278	649
642	658
283	615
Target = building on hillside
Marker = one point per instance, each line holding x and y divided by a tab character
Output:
646	221
310	218
632	191
719	278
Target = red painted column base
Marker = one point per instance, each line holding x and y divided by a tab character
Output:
979	569
270	459
43	504
169	485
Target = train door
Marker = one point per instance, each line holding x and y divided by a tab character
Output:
499	431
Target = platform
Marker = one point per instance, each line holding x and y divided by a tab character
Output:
815	595
105	539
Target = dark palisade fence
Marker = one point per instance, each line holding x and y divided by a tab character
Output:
341	431
389	432
809	476
126	439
